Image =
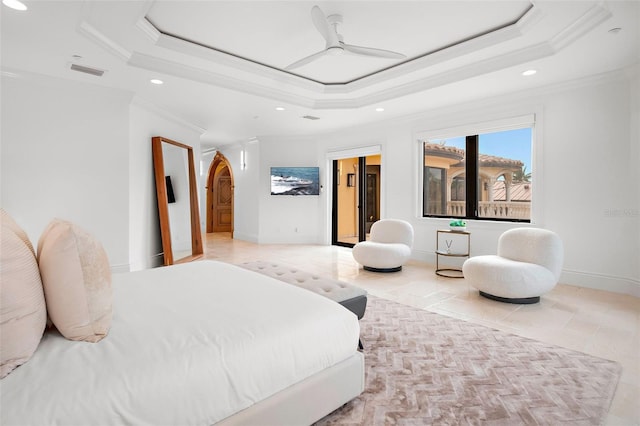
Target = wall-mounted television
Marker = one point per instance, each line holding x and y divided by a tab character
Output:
295	181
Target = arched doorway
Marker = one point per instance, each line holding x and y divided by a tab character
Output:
220	196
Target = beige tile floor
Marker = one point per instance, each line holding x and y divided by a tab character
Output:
596	322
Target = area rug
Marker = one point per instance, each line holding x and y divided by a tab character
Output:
423	368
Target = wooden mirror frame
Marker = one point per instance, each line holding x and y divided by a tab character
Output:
163	202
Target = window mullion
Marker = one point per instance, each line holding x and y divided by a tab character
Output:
471	182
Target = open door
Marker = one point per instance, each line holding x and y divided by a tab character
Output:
220	190
356	198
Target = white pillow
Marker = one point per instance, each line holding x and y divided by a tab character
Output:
77	281
23	313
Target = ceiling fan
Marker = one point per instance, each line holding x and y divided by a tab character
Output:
327	26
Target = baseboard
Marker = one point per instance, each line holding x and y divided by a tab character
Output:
289	239
157	260
245	237
118	269
601	282
576	278
428	257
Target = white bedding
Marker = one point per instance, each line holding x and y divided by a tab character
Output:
189	344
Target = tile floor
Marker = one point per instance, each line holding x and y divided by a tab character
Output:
596	322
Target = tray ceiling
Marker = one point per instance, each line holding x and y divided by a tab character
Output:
223	62
276	37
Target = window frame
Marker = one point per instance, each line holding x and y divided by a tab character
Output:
473	131
443	191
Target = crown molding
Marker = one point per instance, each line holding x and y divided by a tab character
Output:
153	108
504	105
420	63
205	76
103	41
446	77
217	68
455	51
66	83
235	63
153	63
588	21
149	31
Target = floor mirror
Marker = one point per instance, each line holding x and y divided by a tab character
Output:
177	193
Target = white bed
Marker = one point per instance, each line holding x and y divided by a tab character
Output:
195	344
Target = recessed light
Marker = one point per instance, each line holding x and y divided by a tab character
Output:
279	108
379	109
529	72
14	4
614	31
156	81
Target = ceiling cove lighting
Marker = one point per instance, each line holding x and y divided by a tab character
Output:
156	81
15	4
527	73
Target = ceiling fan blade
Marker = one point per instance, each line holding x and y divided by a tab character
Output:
370	51
305	61
320	22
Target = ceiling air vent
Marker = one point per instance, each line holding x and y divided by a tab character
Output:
310	117
87	70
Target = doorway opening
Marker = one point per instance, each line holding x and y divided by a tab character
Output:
220	189
356	198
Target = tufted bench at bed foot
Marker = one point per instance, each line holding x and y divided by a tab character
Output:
351	297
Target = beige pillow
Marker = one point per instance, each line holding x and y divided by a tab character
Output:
7	221
77	281
23	311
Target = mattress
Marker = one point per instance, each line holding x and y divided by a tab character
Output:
189	344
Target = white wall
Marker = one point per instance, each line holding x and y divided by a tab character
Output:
585	169
287	218
589	184
65	154
247	181
83	153
202	170
145	245
633	165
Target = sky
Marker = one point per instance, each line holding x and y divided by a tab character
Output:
513	144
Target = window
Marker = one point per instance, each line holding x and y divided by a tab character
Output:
479	176
434	186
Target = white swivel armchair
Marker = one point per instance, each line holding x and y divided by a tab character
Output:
388	247
528	264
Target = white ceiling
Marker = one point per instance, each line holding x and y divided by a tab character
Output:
279	34
223	61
